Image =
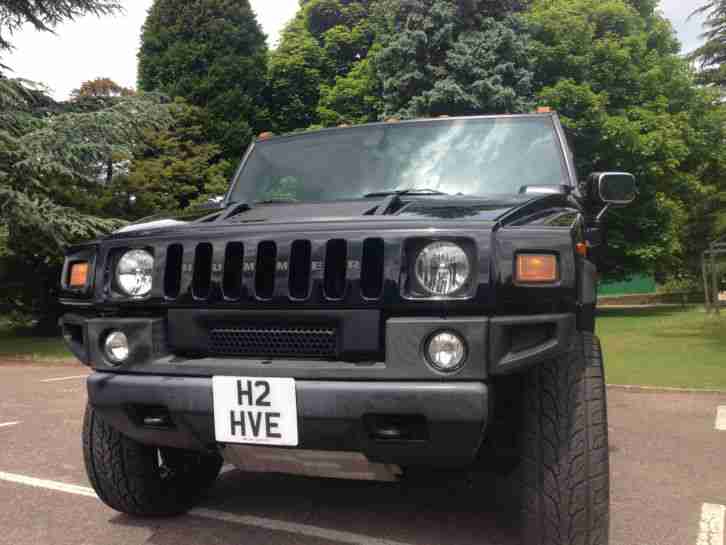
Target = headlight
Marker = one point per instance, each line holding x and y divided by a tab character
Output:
134	273
442	268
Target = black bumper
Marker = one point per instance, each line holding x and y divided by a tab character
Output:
441	424
162	346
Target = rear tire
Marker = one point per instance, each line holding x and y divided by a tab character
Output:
565	465
141	480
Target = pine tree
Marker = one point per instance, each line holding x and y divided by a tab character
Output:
213	54
711	56
453	57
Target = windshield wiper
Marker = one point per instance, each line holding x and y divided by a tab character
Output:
401	192
278	201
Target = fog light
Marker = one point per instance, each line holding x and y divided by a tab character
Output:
446	351
117	347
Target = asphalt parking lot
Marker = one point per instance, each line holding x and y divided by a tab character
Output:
668	484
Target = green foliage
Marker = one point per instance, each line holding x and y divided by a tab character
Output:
213	54
174	167
615	76
354	98
321	72
447	57
711	56
44	16
53	162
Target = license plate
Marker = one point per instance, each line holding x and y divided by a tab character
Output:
255	410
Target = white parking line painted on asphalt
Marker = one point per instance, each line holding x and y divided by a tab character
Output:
8	424
59	379
245	520
336	536
721	418
49	485
712	521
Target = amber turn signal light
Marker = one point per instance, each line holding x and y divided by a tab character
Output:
79	275
536	268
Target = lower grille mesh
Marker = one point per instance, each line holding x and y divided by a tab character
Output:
294	342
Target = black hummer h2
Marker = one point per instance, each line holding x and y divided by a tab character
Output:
370	301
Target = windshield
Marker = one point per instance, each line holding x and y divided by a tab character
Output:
480	157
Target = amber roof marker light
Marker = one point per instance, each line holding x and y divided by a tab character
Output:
537	269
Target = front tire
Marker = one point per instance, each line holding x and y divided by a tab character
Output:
141	480
565	465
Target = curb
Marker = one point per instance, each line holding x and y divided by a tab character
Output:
664	389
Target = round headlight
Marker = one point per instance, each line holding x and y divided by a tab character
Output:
116	347
442	268
446	351
134	273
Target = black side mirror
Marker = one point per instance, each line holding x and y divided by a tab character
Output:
612	188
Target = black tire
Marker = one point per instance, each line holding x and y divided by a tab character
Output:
139	479
565	462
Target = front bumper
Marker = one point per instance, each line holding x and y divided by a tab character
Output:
164	346
441	424
342	405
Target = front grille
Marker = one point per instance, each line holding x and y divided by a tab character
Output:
292	342
269	271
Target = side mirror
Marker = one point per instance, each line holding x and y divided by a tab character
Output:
612	188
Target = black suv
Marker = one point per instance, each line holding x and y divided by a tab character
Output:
365	302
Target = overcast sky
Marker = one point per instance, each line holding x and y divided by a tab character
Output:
107	47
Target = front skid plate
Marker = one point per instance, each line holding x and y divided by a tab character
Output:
310	463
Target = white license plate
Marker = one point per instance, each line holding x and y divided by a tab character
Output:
255	410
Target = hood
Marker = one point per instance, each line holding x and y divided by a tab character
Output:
430	208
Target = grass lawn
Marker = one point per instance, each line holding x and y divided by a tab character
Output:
23	345
674	347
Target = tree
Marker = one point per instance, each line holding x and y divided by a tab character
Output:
354	98
711	56
45	16
53	160
453	57
613	71
327	44
101	87
213	54
174	167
